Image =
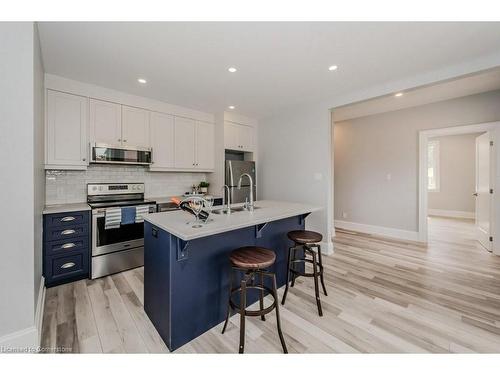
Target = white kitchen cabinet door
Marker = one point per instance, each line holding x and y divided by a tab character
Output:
66	131
185	133
246	138
238	137
135	127
205	146
231	136
162	140
105	122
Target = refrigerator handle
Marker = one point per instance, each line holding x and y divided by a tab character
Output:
231	173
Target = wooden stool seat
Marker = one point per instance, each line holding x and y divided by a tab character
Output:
304	236
252	257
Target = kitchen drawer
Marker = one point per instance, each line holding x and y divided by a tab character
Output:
61	269
67	245
68	232
66	218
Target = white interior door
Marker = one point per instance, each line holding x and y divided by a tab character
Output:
483	186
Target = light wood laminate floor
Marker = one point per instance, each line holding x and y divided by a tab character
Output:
383	296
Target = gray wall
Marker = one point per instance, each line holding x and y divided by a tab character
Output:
295	162
367	149
457	165
17	138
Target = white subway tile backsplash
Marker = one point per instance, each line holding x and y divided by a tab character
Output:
71	186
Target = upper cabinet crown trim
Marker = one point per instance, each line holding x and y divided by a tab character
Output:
70	86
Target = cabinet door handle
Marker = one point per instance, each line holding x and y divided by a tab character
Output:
124	140
68	218
84	159
68	245
119	139
68	265
68	231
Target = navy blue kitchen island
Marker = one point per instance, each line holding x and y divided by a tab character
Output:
186	270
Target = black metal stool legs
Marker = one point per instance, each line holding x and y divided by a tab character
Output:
229	305
316	286
243	304
262	317
275	295
288	272
249	281
317	274
320	259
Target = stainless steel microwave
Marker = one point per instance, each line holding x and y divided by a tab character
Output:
109	154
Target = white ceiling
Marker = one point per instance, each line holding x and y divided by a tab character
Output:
455	88
280	65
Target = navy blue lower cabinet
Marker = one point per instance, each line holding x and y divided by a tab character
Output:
66	252
186	283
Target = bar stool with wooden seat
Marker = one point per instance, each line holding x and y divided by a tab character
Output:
252	261
306	240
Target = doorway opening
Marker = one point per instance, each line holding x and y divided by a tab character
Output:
457	174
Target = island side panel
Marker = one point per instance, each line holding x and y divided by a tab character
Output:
200	279
157	275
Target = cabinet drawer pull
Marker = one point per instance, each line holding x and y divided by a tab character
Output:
68	265
69	218
68	231
68	245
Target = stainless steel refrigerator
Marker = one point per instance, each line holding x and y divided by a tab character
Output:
234	169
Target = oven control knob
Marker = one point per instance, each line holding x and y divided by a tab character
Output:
94	188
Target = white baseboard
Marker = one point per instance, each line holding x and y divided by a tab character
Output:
379	231
39	310
29	337
451	213
20	340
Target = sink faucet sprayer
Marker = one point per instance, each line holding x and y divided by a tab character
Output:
248	205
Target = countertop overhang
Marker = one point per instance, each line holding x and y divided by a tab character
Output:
176	222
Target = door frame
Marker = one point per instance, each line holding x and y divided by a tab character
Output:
424	135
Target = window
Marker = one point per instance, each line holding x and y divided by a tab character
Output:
433	166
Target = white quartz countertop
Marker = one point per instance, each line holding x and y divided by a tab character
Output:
176	222
67	207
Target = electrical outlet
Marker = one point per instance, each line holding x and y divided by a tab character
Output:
388	177
344	215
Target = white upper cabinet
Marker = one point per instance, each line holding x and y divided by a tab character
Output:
105	122
135	127
205	140
66	131
238	137
74	123
246	137
185	133
194	145
162	140
231	136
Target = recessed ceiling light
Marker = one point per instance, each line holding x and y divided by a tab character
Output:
231	107
398	94
232	69
141	80
332	67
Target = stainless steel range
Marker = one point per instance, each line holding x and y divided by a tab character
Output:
117	239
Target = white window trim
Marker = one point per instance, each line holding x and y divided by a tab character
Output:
438	162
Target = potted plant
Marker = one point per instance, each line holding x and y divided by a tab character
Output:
203	187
